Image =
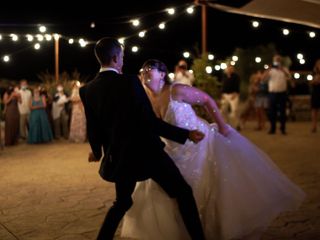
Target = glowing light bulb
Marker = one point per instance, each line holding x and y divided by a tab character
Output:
255	24
42	29
190	10
285	31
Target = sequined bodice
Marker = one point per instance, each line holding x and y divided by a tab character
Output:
182	114
188	157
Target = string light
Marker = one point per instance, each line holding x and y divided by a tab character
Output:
302	61
6	58
134	49
258	59
42	29
37	46
142	34
255	24
39	37
285	32
210	57
14	37
121	40
223	66
300	56
171	11
235	58
208	69
296	75
217	67
162	26
56	36
190	10
312	34
135	22
82	42
186	54
48	37
29	37
309	77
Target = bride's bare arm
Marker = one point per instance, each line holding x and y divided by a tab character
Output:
195	96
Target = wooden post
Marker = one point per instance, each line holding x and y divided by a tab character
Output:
203	25
204	28
56	55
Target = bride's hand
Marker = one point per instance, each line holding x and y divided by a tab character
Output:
224	130
196	136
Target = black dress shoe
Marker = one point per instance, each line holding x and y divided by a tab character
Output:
283	132
271	132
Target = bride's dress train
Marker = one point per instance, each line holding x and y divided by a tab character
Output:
237	187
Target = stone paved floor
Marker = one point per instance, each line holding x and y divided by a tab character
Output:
51	192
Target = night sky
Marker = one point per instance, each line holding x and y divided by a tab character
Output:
225	33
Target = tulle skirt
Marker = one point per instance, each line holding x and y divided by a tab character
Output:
237	187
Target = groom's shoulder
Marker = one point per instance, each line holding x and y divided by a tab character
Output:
130	77
129	80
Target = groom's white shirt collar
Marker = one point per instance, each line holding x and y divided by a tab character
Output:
103	69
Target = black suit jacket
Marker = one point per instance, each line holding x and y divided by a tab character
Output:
120	120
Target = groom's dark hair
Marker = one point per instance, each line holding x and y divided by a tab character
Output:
106	48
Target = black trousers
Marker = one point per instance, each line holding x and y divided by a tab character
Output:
277	103
168	176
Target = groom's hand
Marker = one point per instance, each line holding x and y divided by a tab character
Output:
196	136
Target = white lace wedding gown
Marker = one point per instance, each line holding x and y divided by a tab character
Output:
237	187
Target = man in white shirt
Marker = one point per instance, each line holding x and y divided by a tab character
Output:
230	98
277	77
182	74
24	107
59	113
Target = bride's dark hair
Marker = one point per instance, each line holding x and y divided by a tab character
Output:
160	66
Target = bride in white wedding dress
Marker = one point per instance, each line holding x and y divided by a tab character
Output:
238	189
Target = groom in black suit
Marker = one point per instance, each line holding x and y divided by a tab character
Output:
121	121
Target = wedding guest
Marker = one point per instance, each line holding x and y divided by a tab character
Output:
44	92
78	119
59	113
39	127
10	99
261	101
24	108
277	77
231	96
182	74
